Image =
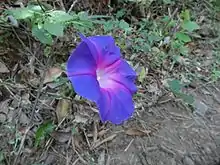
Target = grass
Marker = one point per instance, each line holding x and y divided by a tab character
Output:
165	47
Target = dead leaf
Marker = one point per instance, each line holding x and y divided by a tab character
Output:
53	85
142	75
63	108
61	137
51	159
25	99
52	74
3	68
23	118
137	132
80	119
4	106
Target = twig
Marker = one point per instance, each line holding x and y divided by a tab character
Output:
80	157
74	163
166	149
29	126
50	141
128	145
87	140
170	19
40	6
201	86
110	138
62	5
38	95
32	115
73	4
21	145
95	133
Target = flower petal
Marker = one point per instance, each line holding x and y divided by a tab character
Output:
120	73
123	68
81	61
115	106
103	48
86	86
125	82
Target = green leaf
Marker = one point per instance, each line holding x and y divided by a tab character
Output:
44	130
124	25
21	13
153	37
74	131
175	86
60	16
215	74
185	15
42	35
95	17
167	2
184	50
187	98
36	8
83	15
54	28
1	157
120	13
183	37
142	75
108	26
190	26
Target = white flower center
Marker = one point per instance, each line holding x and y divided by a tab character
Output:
103	79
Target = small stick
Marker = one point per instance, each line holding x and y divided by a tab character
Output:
129	145
62	5
110	138
73	4
40	6
21	145
171	17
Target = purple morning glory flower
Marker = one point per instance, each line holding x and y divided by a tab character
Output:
98	73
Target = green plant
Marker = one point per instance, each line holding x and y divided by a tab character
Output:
47	24
176	87
182	34
43	131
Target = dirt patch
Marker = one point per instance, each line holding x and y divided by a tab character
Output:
168	134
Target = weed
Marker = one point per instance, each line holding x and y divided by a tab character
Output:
43	131
47	24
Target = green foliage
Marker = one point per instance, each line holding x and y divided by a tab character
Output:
1	157
167	2
176	87
190	26
178	44
215	74
183	37
48	24
43	131
114	25
42	35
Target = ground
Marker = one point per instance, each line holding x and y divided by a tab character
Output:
165	128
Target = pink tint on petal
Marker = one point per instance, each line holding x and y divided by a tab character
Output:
110	68
104	80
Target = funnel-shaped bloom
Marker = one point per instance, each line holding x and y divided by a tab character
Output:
98	73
